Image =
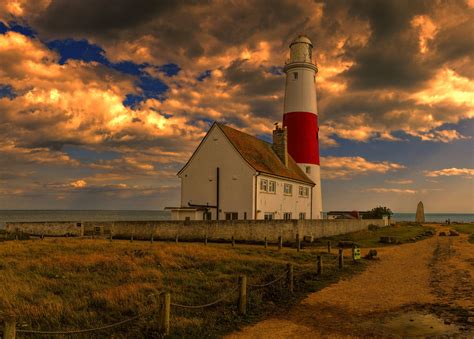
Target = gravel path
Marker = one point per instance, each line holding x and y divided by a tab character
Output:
354	307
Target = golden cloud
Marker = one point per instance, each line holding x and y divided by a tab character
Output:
391	190
449	172
343	168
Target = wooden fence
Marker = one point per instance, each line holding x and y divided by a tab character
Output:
165	304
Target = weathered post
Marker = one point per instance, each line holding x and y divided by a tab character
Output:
151	239
298	242
110	237
280	242
131	238
266	242
233	241
341	258
243	294
329	247
320	265
176	239
42	236
165	309
9	329
205	240
289	277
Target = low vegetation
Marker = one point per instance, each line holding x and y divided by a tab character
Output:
58	283
465	228
402	232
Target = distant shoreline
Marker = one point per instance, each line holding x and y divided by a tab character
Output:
151	215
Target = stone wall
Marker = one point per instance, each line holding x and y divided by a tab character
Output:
245	230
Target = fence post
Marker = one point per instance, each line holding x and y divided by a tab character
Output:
320	264
243	294
131	238
329	247
233	241
9	330
205	240
280	242
110	237
176	239
165	308
151	239
289	277
341	258
266	242
298	242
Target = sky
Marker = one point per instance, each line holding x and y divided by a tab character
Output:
101	103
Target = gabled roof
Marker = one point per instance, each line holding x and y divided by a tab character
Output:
260	155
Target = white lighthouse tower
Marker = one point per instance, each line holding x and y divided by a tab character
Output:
301	115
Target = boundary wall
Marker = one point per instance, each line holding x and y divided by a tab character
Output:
245	230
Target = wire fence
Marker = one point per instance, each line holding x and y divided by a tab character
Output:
165	304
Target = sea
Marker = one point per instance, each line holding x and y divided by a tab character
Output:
118	215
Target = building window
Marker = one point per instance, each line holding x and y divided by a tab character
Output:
231	216
272	186
207	216
302	216
303	191
308	169
288	189
269	216
295	75
263	185
287	215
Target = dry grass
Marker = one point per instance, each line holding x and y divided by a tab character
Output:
74	283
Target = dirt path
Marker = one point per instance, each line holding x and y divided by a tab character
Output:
422	276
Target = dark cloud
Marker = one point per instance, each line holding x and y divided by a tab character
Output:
99	17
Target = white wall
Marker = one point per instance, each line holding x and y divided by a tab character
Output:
279	202
300	94
198	179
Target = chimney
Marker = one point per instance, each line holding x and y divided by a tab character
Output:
280	144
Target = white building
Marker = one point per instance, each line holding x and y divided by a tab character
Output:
233	175
244	178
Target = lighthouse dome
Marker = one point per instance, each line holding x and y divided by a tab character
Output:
301	50
301	39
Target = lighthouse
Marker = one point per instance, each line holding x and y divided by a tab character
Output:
301	115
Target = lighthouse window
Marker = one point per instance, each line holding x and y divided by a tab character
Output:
308	170
295	75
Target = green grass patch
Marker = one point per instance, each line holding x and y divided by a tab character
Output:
465	228
403	232
62	284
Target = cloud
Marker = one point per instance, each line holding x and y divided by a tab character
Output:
391	190
78	183
343	168
449	172
385	69
400	181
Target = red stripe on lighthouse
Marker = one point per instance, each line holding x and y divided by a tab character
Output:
302	130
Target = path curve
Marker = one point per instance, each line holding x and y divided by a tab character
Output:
402	277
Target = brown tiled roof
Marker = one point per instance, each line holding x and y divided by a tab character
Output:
260	155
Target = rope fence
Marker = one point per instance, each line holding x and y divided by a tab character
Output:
164	306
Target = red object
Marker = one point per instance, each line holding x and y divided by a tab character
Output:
303	130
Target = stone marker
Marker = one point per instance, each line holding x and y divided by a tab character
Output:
420	213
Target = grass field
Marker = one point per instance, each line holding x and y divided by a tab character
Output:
73	283
403	232
465	228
